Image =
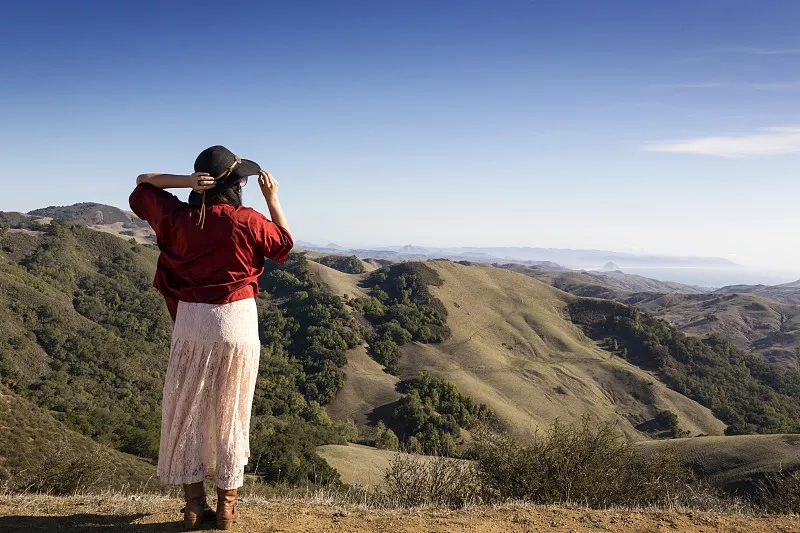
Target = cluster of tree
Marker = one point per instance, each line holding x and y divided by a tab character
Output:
742	390
15	220
432	413
100	373
401	309
347	264
381	437
305	332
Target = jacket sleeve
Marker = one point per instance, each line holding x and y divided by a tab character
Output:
153	205
273	241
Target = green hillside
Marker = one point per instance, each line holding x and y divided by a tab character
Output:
40	453
87	339
85	336
749	395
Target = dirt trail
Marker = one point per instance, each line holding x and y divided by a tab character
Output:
99	514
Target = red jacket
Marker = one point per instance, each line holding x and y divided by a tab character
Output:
218	264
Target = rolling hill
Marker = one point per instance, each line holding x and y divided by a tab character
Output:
751	321
100	217
86	339
602	284
514	349
788	293
40	452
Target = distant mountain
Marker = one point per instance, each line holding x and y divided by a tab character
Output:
788	293
572	259
91	214
118	221
635	283
106	218
612	285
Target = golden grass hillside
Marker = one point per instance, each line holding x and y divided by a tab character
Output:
513	348
732	460
366	387
358	465
337	282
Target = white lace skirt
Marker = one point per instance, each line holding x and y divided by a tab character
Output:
208	394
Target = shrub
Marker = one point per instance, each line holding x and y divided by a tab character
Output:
387	440
432	413
415	481
586	463
348	265
779	492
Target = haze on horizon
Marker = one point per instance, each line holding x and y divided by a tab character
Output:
665	128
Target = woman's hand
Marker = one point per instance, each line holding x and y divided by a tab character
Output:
201	181
269	186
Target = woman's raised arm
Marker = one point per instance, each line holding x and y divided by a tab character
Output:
199	181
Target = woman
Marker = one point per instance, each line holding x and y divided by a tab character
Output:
212	252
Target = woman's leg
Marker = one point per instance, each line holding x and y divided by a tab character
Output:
235	400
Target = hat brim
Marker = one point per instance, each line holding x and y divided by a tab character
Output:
246	168
243	169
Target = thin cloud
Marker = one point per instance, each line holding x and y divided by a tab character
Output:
765	86
772	141
779	85
755	50
689	85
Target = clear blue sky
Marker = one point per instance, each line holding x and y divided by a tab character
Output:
666	126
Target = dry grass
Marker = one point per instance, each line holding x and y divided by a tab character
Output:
22	514
338	283
40	454
417	481
514	349
366	387
730	461
358	465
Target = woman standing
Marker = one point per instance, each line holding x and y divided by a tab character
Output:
212	252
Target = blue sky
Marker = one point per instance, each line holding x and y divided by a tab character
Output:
668	127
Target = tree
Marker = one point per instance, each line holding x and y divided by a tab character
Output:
386	438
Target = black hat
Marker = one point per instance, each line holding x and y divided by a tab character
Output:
217	161
226	169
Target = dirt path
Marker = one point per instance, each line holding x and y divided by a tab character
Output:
160	515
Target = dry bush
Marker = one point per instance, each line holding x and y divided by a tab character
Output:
779	492
65	470
586	463
701	496
415	481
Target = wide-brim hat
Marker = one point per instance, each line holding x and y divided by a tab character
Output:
225	167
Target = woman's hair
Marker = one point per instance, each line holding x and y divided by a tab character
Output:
231	196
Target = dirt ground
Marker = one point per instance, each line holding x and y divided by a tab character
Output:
33	514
